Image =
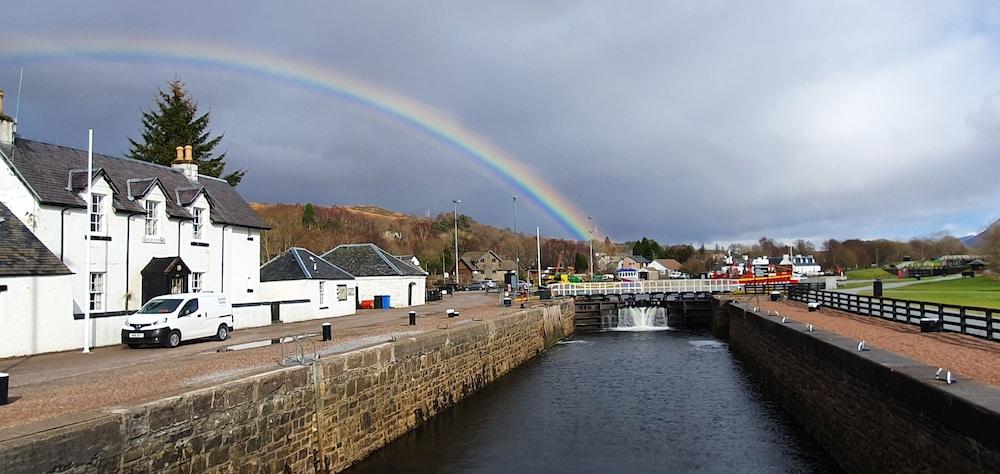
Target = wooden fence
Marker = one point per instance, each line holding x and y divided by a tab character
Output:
979	322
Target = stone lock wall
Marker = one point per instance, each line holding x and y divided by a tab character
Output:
318	418
873	411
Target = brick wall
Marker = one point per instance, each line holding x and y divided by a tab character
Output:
319	418
874	411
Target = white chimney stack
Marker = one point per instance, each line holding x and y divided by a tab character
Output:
6	125
185	163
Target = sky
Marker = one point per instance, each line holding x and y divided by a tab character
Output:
697	122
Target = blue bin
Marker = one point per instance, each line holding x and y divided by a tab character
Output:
385	302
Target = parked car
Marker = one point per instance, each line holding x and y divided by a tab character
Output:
169	319
475	287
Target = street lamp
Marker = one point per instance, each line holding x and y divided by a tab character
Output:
593	229
517	261
455	202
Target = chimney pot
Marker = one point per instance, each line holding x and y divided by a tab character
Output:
180	153
187	153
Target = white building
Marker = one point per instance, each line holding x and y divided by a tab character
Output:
329	290
154	230
802	264
377	272
35	302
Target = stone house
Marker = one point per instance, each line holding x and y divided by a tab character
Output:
483	265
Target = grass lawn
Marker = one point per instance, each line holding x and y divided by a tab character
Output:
981	291
861	284
869	274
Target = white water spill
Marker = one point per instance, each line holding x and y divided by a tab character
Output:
573	342
639	319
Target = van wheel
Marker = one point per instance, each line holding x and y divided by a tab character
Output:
173	339
222	333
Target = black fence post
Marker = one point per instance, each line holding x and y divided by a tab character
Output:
989	324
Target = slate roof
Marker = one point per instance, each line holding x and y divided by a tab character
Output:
670	263
361	260
52	172
300	264
21	253
640	259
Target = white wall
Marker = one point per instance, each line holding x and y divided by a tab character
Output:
309	289
35	316
395	287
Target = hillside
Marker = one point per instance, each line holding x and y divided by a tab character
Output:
979	239
430	239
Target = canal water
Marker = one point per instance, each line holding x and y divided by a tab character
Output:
613	402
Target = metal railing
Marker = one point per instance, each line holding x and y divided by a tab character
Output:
974	321
765	288
646	286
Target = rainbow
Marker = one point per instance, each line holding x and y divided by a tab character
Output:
399	108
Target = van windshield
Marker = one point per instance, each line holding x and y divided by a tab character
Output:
160	306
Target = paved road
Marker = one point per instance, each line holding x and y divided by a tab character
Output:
48	385
888	285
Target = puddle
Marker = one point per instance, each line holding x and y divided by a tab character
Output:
263	343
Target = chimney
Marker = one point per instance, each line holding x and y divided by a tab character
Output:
185	163
6	125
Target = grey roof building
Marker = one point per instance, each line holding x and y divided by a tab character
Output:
21	253
363	260
300	264
55	175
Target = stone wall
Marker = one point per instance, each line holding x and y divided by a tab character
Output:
318	418
874	411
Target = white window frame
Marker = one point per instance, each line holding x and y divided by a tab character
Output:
342	292
198	225
196	281
96	300
97	214
152	219
322	293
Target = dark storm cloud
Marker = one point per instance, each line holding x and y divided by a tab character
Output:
682	121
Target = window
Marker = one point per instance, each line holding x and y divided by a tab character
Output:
152	219
197	225
97	291
342	293
196	282
322	292
97	213
190	307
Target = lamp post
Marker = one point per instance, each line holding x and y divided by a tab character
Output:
517	260
456	202
593	228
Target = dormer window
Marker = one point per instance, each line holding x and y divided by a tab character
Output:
152	219
198	223
97	213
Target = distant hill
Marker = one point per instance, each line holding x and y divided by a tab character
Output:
979	239
429	239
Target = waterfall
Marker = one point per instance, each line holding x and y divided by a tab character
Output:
653	318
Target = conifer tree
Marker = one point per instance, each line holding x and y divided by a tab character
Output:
176	122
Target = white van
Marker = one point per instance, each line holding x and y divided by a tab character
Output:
167	320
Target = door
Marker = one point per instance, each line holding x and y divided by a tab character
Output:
275	312
409	294
193	322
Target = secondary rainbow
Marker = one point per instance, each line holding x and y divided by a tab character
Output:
406	110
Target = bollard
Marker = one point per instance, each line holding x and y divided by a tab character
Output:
327	331
451	313
4	386
413	318
877	288
506	302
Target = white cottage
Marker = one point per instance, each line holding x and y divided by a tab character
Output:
377	272
35	291
153	229
323	290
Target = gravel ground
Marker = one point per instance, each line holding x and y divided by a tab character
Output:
964	355
47	386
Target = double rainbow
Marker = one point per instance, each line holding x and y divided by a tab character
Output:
404	110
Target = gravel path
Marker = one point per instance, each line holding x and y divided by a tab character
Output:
51	385
969	356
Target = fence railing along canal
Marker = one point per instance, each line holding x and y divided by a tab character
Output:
974	321
645	286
